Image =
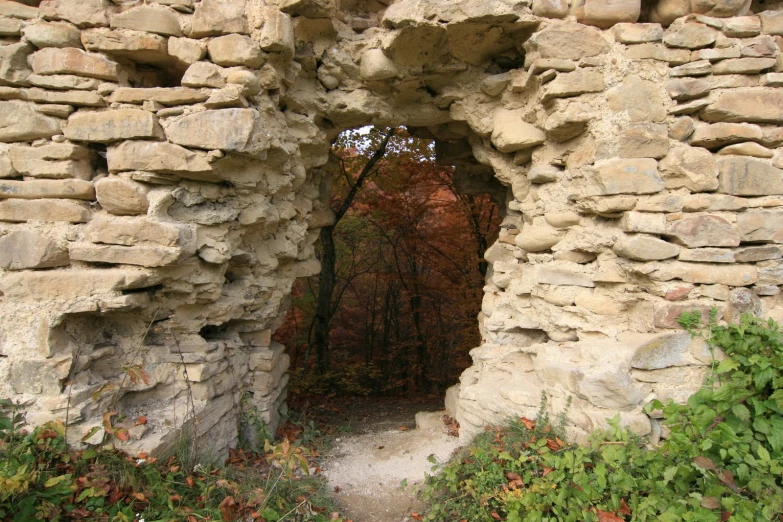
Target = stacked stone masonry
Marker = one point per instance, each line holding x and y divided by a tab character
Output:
164	171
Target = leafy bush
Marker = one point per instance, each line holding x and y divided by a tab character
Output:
721	460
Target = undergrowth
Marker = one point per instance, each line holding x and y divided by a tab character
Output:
42	479
722	459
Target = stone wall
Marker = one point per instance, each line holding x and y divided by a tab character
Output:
164	171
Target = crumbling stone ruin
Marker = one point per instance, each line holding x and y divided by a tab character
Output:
164	170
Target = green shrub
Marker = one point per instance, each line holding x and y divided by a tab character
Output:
722	459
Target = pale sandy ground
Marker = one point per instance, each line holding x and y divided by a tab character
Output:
368	469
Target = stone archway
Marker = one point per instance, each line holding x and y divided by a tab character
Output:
161	178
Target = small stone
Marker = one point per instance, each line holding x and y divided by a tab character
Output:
744	176
130	231
746	149
229	96
83	13
73	61
543	174
19	121
538	238
690	167
163	95
47	188
688	89
215	17
645	248
703	230
77	98
761	226
232	130
248	82
689	36
556	41
772	80
568	124
27	249
753	105
690	107
19	210
64	82
640	99
644	140
235	49
204	74
719	135
186	51
719	292
771	22
659	52
629	176
571	84
375	66
760	47
742	26
120	124
756	253
707	255
743	65
122	197
563	277
153	19
681	129
511	133
606	13
637	33
277	33
138	46
550	8
667	350
149	256
562	219
18	10
53	34
699	68
155	156
14	69
716	54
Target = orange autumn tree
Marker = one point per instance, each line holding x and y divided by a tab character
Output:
408	274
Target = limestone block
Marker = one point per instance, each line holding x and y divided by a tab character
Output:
752	104
277	33
757	253
641	247
54	161
52	34
711	274
25	249
666	351
550	8
215	17
17	10
231	129
688	89
153	19
690	167
19	121
640	99
562	219
743	66
538	238
235	49
122	197
759	47
742	26
628	176
690	36
698	68
64	82
47	188
249	83
308	8
154	156
747	149
376	66
511	133
186	51
204	74
771	22
109	126
718	135
629	33
556	41
132	231
744	176
164	95
612	390
18	210
543	174
135	45
761	226
10	27
563	277
569	123
716	54
695	231
721	8
581	81
656	51
73	61
597	304
76	98
227	97
84	13
606	13
13	63
148	256
646	222
66	285
644	140
707	255
265	360
666	11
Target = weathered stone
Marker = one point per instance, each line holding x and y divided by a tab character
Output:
772	22
64	285
64	82
543	174
106	127
718	135
48	188
667	350
666	11
760	47
53	34
688	89
215	17
757	253
562	219
746	149
637	33
563	277
754	105
277	33
743	66
663	202
156	156
538	238
556	41
707	255
153	19
131	231
567	124
689	36
10	27
77	98
640	99
235	49
232	129
761	226
703	230
135	45
581	81
698	68
29	162
716	54
689	167
84	13
645	222
742	26
149	256
659	52
772	80
122	197
26	249
720	8
511	133
550	8
73	61
18	10
19	121
743	176
248	83
606	13
227	97
186	51
645	248
56	110
163	95
13	63
681	129
18	210
644	140
376	66
204	74
628	176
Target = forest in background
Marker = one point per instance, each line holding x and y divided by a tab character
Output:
408	274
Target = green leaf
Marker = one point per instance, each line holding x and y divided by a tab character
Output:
726	365
763	454
93	431
56	480
741	411
669	474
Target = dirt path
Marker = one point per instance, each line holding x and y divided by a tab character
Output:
366	469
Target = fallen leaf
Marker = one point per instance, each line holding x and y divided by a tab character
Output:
415	516
529	424
228	509
606	516
496	516
402	428
725	516
189	481
710	503
337	489
624	509
512	475
704	463
141	421
381	447
175	498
